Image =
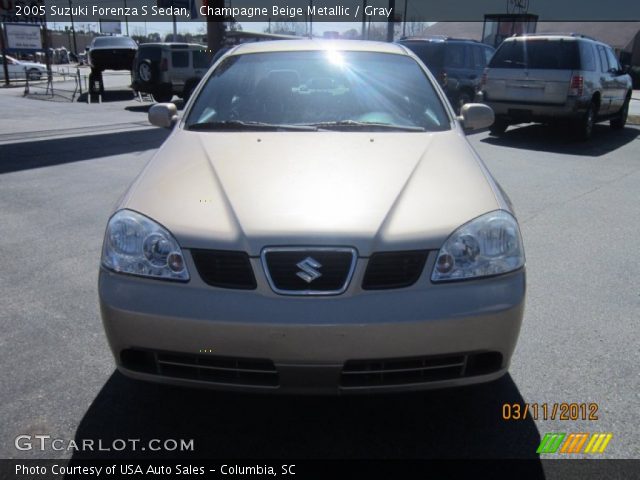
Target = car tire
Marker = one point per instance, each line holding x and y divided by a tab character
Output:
146	72
620	121
463	97
188	90
499	127
162	97
588	120
34	74
96	77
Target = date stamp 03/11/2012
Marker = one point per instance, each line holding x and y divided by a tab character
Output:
550	411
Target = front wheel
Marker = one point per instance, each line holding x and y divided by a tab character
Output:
464	97
620	121
34	74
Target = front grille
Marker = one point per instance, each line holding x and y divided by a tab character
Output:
213	369
225	269
407	371
327	270
387	270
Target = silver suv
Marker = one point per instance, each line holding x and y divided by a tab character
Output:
167	69
553	77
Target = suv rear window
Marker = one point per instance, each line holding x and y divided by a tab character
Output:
455	57
537	54
201	59
180	59
115	42
588	60
152	53
431	54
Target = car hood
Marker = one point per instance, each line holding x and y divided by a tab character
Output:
39	66
372	191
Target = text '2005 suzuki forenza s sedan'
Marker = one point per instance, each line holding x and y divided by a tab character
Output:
315	223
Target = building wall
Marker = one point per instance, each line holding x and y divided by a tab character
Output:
65	39
620	35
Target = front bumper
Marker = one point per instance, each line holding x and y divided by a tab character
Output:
312	341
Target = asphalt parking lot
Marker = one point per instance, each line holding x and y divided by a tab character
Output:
63	166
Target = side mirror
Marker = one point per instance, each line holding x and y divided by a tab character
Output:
163	115
475	116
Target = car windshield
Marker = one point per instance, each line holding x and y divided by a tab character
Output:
10	60
325	89
116	42
537	54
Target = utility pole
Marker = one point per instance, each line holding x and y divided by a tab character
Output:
364	17
175	28
4	56
73	31
390	21
404	23
126	18
215	25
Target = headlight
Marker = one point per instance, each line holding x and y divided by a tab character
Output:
137	245
488	245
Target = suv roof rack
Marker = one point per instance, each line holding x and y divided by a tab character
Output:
555	34
428	38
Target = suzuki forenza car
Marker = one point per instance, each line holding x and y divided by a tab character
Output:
316	222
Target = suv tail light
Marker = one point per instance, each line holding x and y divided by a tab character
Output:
576	87
164	65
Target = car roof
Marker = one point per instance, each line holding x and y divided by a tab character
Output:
305	44
172	44
555	36
438	39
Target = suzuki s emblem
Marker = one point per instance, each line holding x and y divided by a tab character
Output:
308	267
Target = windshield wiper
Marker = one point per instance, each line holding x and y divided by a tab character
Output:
356	125
246	125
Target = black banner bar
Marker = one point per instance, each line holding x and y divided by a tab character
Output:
533	469
324	10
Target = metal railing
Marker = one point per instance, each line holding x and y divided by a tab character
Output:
62	83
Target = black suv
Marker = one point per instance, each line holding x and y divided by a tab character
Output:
456	63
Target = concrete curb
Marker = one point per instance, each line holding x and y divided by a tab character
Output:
633	119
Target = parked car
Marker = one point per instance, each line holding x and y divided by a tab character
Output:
167	69
19	69
456	63
552	77
317	222
109	53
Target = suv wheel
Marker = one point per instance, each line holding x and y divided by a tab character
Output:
499	127
96	83
162	97
464	97
188	89
620	121
585	128
146	72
